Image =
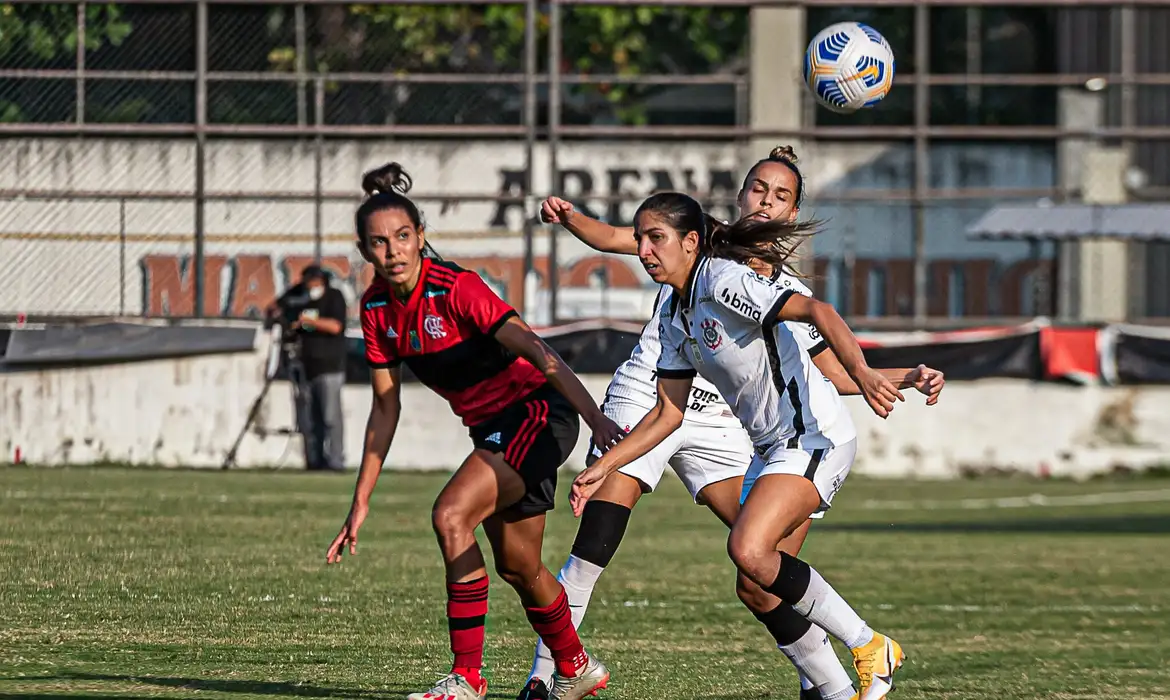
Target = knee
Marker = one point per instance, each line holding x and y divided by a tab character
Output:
748	551
449	522
752	596
519	574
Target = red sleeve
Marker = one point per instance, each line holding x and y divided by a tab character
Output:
473	301
378	354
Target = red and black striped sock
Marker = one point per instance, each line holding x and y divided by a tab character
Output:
467	605
554	624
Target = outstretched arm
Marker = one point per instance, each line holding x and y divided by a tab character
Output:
879	392
655	426
922	378
590	231
515	335
380	428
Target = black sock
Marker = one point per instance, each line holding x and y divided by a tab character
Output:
791	581
603	524
784	624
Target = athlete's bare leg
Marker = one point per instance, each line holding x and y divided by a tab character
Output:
805	645
775	507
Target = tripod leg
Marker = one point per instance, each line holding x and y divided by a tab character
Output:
230	459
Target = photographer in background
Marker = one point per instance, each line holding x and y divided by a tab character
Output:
314	314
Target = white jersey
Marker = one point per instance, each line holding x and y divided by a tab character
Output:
728	333
636	380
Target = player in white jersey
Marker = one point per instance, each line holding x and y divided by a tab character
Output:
710	453
728	322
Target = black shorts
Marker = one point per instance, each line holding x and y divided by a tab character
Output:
536	435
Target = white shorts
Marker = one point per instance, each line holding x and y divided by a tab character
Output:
826	468
700	454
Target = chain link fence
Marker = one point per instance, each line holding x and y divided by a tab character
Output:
175	159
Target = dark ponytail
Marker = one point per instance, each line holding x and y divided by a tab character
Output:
766	241
386	188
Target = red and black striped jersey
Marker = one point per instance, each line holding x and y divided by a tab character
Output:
445	333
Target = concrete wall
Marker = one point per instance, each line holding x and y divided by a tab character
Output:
134	257
188	412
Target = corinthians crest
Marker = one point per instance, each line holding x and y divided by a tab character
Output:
711	337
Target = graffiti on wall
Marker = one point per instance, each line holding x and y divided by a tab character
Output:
241	286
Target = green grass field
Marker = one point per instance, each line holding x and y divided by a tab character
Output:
144	584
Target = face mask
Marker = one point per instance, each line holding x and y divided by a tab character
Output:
316	293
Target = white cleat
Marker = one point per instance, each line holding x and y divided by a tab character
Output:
592	678
452	687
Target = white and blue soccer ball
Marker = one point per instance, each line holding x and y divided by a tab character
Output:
849	66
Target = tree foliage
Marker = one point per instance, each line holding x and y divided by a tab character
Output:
45	36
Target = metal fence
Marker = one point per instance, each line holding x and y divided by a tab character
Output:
149	139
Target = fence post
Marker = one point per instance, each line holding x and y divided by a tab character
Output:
921	154
554	122
530	68
302	78
200	147
80	63
318	166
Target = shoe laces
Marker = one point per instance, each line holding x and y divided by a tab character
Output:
865	667
448	684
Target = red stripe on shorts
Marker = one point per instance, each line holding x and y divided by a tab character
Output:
519	446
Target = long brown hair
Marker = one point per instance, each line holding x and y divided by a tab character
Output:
768	241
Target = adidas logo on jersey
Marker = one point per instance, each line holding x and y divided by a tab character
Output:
390	333
495	438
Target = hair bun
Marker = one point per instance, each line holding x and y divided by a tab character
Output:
783	153
391	177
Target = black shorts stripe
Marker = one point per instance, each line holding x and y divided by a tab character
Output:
813	463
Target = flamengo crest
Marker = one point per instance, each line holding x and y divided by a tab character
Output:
433	325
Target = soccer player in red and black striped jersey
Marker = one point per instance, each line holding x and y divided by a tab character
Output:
520	403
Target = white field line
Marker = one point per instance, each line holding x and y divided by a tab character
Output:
1036	500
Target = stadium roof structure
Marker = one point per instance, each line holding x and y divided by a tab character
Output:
1032	222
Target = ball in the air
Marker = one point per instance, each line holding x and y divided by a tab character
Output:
849	66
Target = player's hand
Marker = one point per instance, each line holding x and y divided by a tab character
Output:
606	433
348	535
879	392
927	381
585	485
555	210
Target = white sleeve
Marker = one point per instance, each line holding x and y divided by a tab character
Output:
750	296
806	334
672	361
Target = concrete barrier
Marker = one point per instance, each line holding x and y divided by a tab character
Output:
187	412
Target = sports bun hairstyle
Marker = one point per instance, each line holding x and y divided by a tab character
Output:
786	156
391	177
385	187
783	153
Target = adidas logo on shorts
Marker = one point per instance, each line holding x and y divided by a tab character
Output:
494	437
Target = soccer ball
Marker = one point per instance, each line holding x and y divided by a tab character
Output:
848	66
